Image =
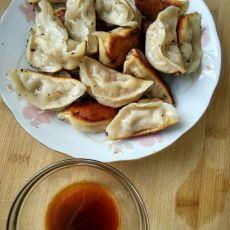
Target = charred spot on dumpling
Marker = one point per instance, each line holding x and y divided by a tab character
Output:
151	8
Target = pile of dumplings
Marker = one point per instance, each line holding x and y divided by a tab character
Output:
97	63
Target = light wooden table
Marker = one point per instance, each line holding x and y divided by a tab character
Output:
186	186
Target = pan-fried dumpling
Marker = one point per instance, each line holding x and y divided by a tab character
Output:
44	91
161	46
137	65
110	87
80	21
118	12
189	38
115	45
151	8
88	116
142	118
49	48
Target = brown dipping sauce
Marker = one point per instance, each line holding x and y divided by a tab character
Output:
83	206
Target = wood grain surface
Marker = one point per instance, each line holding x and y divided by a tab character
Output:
186	186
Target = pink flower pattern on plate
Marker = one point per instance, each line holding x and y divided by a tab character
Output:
150	140
205	37
28	10
37	116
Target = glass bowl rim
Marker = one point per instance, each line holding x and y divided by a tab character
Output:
26	188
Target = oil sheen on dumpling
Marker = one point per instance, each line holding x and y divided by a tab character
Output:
161	46
142	118
137	65
44	91
189	38
80	21
118	12
115	45
49	48
110	87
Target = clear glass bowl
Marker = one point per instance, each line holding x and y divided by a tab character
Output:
29	208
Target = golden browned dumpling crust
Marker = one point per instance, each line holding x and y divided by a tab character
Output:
89	116
115	45
91	111
151	8
189	39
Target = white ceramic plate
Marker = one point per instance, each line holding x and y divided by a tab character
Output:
192	94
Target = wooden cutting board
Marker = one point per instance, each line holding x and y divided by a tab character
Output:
186	186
